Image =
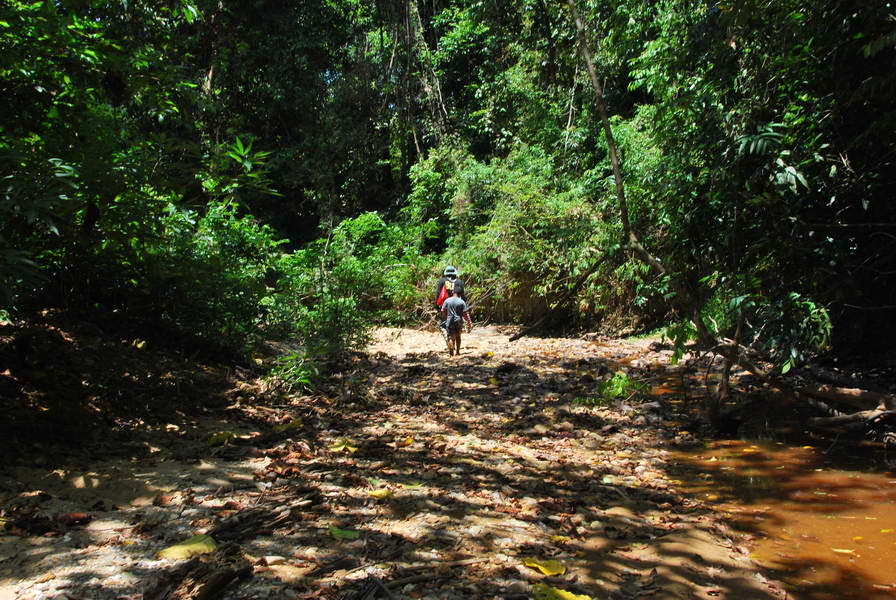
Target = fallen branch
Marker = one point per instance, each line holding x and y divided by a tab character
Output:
850	421
397	583
854	397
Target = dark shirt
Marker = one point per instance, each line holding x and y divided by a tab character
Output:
458	285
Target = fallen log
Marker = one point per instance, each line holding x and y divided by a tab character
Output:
850	421
862	400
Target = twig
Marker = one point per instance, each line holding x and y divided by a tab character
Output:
382	586
454	563
414	579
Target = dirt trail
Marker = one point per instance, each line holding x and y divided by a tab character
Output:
437	477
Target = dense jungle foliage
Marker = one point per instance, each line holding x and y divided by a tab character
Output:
214	173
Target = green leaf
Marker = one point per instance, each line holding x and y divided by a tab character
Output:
344	534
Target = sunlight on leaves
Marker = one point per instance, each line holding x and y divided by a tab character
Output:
843	550
547	567
543	591
380	493
196	545
343	446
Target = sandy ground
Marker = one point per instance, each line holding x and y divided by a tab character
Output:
439	477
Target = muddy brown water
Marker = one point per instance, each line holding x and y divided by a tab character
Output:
824	525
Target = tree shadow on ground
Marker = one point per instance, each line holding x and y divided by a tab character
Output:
452	474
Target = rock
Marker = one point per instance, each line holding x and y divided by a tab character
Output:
517	588
592	443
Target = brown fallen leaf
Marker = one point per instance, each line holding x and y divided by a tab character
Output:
75	518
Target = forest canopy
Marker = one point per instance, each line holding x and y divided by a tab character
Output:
221	172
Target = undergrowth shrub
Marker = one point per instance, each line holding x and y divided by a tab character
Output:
207	274
522	227
617	387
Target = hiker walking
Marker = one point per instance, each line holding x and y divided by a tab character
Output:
449	283
454	310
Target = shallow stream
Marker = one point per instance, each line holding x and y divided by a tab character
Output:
824	524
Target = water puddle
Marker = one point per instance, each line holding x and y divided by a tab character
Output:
825	527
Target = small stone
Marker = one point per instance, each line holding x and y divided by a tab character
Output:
518	587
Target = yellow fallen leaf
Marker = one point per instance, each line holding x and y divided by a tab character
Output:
843	551
857	538
886	531
380	493
562	539
548	567
543	591
343	446
712	459
405	442
221	438
198	544
493	380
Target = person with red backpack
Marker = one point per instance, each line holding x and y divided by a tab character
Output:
449	283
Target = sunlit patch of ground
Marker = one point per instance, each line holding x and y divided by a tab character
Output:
442	476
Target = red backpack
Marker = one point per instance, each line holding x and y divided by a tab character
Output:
444	293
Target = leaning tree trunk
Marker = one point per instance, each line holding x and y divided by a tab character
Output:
731	351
